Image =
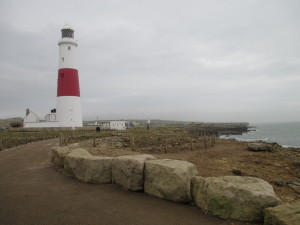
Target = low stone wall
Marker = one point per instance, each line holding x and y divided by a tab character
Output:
231	197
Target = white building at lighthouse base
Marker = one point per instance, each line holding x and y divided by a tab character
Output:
31	120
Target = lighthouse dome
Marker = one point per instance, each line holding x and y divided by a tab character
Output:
67	31
67	26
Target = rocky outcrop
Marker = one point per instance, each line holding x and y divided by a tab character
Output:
260	146
59	154
169	179
92	169
128	171
233	197
287	214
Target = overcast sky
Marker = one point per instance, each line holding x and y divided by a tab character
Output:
193	60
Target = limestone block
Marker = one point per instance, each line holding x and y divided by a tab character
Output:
170	179
233	197
88	168
72	158
287	214
128	171
59	154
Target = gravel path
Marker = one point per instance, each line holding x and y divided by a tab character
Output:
32	192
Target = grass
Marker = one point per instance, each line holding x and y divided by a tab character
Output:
155	136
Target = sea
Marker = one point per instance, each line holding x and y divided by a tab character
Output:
284	134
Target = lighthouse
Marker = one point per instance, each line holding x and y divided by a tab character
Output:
68	105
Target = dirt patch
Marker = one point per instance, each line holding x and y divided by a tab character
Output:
212	156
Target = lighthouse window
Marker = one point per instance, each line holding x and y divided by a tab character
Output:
69	48
62	75
62	58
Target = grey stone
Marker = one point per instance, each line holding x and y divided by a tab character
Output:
287	214
59	154
260	146
169	179
88	168
294	184
233	197
73	155
128	171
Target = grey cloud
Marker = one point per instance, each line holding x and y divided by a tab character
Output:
189	60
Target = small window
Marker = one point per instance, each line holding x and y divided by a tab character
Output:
69	48
62	75
62	58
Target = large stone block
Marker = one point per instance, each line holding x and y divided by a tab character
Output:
233	197
169	179
72	158
59	154
128	171
287	214
92	169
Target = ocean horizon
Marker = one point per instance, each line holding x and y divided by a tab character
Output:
286	134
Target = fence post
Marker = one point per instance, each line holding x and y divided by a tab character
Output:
204	138
165	145
60	139
192	145
94	141
214	139
1	144
132	143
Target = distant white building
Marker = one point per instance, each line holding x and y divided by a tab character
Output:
33	121
31	117
117	125
105	125
50	117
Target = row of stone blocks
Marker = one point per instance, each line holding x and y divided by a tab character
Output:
229	197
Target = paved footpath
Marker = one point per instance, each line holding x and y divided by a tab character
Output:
33	193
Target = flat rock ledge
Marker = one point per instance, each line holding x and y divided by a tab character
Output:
287	214
128	171
233	197
260	147
169	179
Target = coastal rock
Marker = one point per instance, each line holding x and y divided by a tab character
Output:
238	172
128	171
169	179
88	168
233	197
287	214
279	183
59	154
294	184
260	146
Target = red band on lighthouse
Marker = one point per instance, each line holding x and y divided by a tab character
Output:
68	83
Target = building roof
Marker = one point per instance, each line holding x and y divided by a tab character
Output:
67	26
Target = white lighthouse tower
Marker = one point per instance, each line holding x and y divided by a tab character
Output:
68	106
